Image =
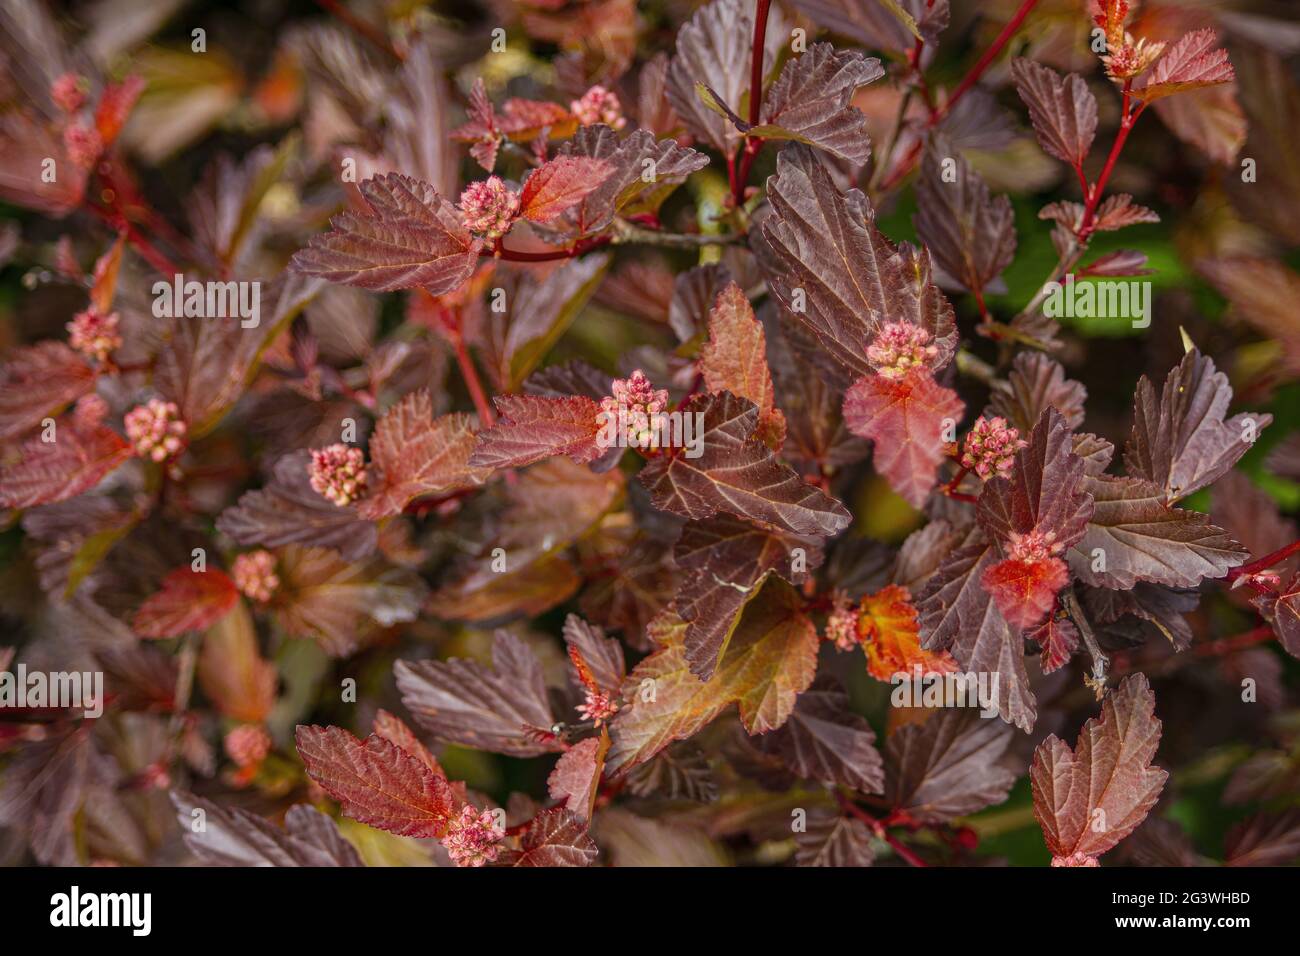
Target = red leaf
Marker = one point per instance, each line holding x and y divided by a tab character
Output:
532	427
76	461
419	455
1191	63
375	782
737	474
1058	638
559	184
412	237
734	359
188	601
577	775
37	381
115	106
1025	591
1062	109
1088	799
906	419
556	837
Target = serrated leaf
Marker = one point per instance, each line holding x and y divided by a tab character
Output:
560	184
811	102
289	511
531	428
734	359
1143	539
1181	443
892	25
957	614
833	271
341	603
576	776
949	766
601	656
188	600
235	837
412	237
556	837
830	839
644	172
825	741
1193	62
375	782
1266	839
1035	383
714	48
1058	638
417	454
39	381
970	233
1061	108
771	658
906	420
737	474
1088	799
487	708
724	562
890	631
74	462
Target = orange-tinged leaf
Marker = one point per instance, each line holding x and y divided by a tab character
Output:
576	776
231	670
891	636
1025	591
188	601
734	359
770	660
417	454
559	184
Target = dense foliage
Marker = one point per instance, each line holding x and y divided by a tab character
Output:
576	432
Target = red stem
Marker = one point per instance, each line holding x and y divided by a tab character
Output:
991	54
1230	645
1266	562
878	828
1129	120
756	62
515	255
470	374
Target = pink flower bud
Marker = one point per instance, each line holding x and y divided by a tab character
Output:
472	838
83	144
339	473
248	745
155	430
254	575
899	348
94	335
599	105
69	92
991	447
488	207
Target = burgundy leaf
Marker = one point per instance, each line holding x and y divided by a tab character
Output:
1035	383
488	708
577	775
831	839
235	837
1191	63
289	511
376	783
833	271
559	184
188	601
949	766
76	460
1088	799
971	235
811	102
734	359
412	237
556	837
39	381
417	454
1181	442
827	742
1062	109
532	428
602	656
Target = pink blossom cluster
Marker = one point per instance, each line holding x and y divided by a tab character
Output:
254	575
472	837
991	447
247	745
638	401
899	348
599	105
338	473
488	207
69	92
1033	546
598	707
842	624
94	335
156	430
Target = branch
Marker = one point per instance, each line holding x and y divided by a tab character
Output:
984	62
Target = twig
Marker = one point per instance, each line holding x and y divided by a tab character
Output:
1100	662
991	54
472	383
878	828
